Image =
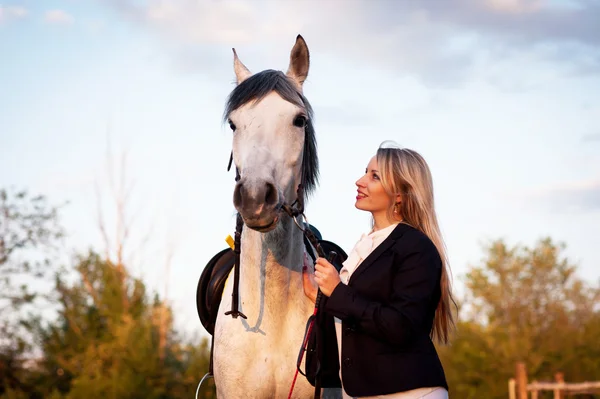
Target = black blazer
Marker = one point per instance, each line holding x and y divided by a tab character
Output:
387	312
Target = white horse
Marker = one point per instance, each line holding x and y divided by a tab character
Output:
274	150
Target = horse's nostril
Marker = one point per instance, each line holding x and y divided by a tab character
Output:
271	194
238	195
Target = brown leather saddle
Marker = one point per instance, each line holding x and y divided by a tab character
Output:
217	270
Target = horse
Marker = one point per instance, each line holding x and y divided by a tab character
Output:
274	151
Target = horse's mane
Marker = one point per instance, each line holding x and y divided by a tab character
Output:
259	85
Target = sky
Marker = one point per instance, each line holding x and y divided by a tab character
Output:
501	97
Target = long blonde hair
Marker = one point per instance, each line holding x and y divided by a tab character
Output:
405	172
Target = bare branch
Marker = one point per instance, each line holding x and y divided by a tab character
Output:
100	220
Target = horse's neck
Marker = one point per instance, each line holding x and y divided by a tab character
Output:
271	271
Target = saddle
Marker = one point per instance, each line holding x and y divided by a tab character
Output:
214	276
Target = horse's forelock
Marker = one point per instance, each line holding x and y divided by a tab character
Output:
259	85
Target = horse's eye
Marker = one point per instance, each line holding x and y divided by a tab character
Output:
300	121
232	125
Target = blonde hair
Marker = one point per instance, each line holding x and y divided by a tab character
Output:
405	172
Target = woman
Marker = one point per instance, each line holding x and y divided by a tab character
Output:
392	295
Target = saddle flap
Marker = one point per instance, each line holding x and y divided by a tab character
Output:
210	287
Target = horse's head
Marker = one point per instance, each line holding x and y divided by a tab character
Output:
274	146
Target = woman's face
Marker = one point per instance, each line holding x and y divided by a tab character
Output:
370	193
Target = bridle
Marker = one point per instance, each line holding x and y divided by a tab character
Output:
293	210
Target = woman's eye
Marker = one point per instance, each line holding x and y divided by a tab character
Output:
300	121
375	177
232	125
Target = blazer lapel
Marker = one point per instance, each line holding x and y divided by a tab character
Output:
366	263
381	248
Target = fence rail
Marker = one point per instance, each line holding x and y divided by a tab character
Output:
566	387
519	388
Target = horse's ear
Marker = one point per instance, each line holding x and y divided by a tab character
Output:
241	72
299	62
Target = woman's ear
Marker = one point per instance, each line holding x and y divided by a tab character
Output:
398	199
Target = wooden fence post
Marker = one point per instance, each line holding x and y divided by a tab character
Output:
511	389
534	393
559	378
521	377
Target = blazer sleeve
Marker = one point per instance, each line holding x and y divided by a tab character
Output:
416	278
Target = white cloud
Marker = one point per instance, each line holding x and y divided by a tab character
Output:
515	6
412	45
58	17
8	13
439	41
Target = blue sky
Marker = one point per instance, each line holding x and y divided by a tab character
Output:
502	97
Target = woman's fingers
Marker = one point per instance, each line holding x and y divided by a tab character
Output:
326	276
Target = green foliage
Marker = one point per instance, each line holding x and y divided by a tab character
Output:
112	341
10	393
523	304
29	232
109	339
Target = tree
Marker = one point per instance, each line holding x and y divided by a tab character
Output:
524	304
104	345
26	223
29	233
111	339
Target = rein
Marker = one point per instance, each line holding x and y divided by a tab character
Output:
294	210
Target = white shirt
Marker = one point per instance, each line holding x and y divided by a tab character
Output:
365	245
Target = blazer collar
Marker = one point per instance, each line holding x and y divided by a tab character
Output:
381	248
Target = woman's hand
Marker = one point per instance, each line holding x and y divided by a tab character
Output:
326	276
308	280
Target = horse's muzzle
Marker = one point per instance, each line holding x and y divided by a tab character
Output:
258	204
